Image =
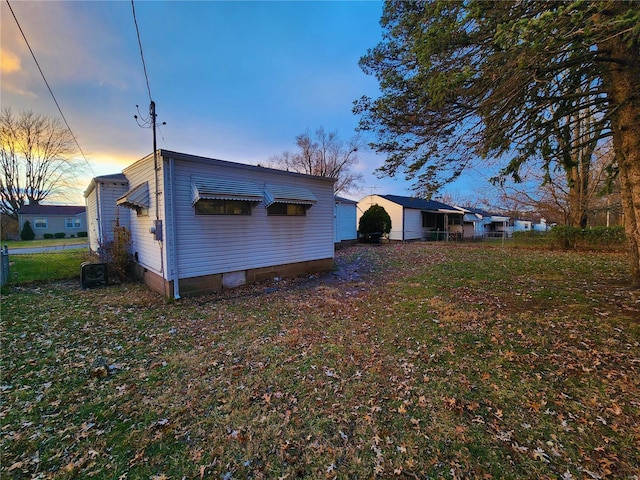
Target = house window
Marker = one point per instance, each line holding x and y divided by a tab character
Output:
455	219
222	207
432	220
73	222
40	222
287	209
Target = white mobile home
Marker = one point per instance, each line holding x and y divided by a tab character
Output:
415	218
199	224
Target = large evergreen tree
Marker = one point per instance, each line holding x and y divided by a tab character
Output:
511	81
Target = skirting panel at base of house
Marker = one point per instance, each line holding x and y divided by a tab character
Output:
154	281
345	244
216	282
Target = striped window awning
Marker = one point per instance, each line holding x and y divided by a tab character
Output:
222	189
288	194
137	198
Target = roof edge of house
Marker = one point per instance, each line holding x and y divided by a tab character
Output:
198	158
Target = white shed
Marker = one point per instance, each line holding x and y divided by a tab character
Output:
102	212
345	217
200	224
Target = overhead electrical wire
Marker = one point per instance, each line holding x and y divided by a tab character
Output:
49	88
144	65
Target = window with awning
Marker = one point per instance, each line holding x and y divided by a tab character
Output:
216	196
288	194
222	189
136	199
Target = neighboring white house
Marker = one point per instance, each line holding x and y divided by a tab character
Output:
541	226
100	199
415	218
477	223
199	224
70	220
520	225
345	217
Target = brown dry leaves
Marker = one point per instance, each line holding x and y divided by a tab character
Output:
411	360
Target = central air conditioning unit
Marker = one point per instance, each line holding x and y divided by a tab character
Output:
93	274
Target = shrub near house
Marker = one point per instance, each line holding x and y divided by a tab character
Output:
576	237
27	232
374	223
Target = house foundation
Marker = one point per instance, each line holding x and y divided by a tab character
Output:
194	286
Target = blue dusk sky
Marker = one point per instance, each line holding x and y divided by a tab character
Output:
236	81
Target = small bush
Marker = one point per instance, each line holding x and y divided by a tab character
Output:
605	235
59	235
565	236
47	236
27	232
375	220
117	253
82	234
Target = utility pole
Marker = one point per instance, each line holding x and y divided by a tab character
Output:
152	116
151	122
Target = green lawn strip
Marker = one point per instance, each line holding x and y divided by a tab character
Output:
389	376
25	268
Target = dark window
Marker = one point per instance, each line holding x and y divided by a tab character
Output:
455	219
432	220
289	209
223	207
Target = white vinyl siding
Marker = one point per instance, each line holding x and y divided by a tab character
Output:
149	252
102	212
208	244
413	229
93	229
346	227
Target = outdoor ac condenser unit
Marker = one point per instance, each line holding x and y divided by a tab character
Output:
93	274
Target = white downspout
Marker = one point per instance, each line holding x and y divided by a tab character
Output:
173	251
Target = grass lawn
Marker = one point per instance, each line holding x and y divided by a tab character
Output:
52	265
410	361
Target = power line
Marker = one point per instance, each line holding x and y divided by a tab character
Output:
144	65
49	88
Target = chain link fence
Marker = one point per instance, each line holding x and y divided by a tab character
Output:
4	266
20	268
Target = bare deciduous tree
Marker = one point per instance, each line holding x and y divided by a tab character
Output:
35	159
325	155
577	196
